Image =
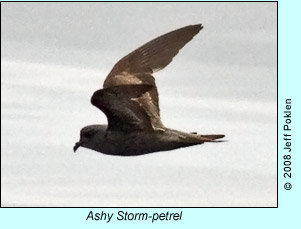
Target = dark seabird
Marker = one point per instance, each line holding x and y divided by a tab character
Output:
129	99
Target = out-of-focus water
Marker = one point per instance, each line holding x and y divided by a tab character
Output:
53	57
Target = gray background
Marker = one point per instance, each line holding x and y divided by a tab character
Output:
55	55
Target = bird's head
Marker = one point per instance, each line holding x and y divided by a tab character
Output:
90	137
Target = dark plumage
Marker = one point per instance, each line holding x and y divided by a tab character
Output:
129	99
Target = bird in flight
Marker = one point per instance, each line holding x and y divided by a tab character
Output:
129	99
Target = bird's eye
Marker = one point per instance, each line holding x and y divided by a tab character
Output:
89	133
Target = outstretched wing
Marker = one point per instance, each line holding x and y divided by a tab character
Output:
120	106
137	67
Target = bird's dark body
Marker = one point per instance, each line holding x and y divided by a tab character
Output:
142	142
130	101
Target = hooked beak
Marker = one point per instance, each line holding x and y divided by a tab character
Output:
76	146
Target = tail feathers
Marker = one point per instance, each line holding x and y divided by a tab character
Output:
211	138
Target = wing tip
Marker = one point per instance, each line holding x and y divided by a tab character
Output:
198	27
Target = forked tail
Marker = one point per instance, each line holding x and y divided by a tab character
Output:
212	137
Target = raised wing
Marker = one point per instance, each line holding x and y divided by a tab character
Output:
154	55
137	67
119	103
